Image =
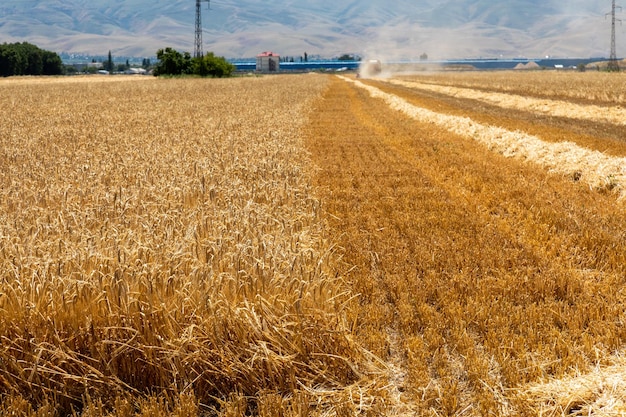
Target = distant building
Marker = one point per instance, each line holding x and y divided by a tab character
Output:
268	62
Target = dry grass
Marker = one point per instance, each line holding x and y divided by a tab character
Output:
587	87
480	275
598	170
557	108
600	392
160	238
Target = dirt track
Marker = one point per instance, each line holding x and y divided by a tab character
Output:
477	273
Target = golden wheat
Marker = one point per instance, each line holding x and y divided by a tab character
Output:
161	237
171	247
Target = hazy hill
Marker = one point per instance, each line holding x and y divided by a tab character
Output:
402	28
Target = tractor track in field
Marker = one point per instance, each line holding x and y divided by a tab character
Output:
461	257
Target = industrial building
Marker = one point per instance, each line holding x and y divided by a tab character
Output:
268	62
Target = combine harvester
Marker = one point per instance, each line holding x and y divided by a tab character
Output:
370	68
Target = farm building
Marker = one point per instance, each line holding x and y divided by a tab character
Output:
268	62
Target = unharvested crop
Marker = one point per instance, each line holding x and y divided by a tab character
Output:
160	239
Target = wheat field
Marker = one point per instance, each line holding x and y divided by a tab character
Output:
586	87
311	245
160	242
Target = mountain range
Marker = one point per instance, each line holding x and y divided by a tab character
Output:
401	29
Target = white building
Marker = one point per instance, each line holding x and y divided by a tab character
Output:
268	62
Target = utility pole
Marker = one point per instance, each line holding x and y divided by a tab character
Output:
198	46
613	65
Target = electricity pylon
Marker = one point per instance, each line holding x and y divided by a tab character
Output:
197	52
613	65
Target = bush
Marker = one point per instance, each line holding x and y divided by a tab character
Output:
211	65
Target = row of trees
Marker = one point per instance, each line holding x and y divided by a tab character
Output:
27	59
172	62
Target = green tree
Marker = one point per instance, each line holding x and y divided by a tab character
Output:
214	66
172	62
27	59
10	61
70	70
34	59
52	63
108	64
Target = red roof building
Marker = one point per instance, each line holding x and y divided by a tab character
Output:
268	62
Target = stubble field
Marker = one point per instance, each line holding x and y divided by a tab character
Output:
442	244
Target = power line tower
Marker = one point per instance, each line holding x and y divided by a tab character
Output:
613	65
197	52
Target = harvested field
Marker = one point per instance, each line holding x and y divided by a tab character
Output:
476	273
557	108
587	87
593	167
313	247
